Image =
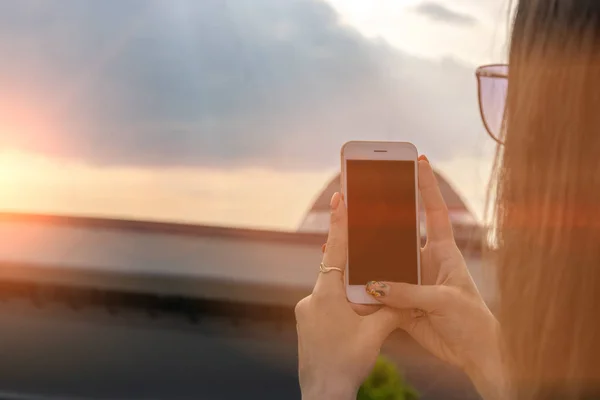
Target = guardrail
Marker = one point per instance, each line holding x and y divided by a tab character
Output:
156	260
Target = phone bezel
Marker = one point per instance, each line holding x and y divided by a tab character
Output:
373	150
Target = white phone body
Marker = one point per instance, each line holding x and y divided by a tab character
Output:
362	150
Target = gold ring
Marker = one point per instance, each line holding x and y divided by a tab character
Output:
325	269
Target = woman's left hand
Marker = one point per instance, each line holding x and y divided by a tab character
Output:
337	348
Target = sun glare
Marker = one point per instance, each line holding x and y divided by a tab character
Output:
244	197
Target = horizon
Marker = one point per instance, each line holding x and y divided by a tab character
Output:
250	142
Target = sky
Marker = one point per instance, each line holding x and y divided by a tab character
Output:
232	112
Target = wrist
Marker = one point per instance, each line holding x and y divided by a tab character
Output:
488	376
332	390
487	372
489	380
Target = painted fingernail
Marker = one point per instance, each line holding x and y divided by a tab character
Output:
335	201
377	289
324	247
423	157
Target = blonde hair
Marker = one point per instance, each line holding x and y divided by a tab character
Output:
547	202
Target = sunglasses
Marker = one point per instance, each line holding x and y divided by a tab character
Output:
492	83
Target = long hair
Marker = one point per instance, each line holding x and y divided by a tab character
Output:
547	202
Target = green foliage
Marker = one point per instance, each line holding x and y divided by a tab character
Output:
386	383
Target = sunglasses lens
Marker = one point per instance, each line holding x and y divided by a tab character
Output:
492	100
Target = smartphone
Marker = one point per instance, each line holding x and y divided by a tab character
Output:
380	187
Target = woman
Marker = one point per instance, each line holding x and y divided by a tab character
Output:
546	340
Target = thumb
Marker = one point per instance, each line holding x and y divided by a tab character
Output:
383	322
404	295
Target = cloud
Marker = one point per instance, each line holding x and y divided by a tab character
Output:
274	83
438	12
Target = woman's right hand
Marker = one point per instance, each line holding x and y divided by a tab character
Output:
446	314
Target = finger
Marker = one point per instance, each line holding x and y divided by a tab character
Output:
364	309
429	270
300	347
299	339
407	296
336	248
383	322
436	211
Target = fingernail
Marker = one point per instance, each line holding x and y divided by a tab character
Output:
377	289
416	313
423	157
323	247
335	201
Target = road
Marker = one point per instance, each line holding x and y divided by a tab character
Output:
57	352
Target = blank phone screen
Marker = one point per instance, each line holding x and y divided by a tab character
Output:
382	221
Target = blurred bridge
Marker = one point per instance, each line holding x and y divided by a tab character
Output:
104	308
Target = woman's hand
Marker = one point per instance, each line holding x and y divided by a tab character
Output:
452	320
337	348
